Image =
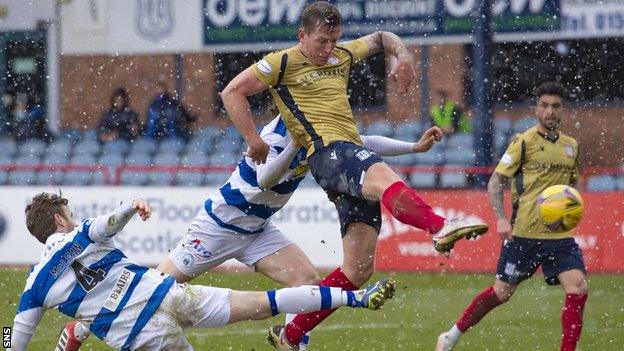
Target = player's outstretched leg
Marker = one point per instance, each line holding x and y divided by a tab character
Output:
372	297
72	336
408	207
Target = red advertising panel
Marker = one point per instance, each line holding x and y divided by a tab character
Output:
403	248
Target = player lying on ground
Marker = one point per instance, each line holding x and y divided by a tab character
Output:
530	244
241	229
309	85
128	306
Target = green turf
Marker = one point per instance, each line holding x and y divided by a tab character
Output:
426	304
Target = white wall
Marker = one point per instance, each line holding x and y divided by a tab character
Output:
309	219
23	15
126	27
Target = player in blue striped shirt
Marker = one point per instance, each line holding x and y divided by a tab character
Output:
85	276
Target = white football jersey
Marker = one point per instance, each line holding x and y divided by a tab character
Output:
87	278
240	204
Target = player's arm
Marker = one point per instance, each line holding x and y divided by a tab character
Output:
496	190
234	98
277	164
385	146
401	61
104	227
24	326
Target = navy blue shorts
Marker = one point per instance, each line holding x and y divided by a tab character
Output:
339	168
520	258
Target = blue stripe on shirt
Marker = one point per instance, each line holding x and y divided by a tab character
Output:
287	187
280	127
70	307
247	173
53	269
208	208
235	198
102	322
150	307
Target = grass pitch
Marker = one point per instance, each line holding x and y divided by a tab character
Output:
425	305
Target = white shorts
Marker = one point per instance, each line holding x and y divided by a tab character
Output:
207	245
184	306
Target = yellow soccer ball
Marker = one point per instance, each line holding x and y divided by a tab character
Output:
560	207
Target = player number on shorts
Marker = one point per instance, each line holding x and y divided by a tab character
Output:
87	277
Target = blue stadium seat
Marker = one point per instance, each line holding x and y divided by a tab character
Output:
24	177
433	157
171	145
118	146
503	125
523	124
79	178
89	146
232	145
111	162
460	141
208	132
61	146
52	177
143	145
402	160
217	178
191	178
8	147
223	158
409	130
34	147
91	134
5	159
453	180
460	157
75	135
200	145
423	180
380	128
163	178
231	133
601	183
133	177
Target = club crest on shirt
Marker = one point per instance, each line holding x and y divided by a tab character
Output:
333	60
264	66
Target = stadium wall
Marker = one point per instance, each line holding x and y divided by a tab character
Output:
310	220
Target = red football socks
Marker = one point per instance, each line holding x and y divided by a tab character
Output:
406	206
303	323
479	307
572	320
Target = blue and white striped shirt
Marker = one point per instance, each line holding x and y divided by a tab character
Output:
86	277
240	204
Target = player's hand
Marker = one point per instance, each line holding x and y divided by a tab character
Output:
504	229
142	208
258	151
429	137
403	73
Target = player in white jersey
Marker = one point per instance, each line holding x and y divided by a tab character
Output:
235	222
85	276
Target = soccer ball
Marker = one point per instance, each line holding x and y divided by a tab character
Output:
560	207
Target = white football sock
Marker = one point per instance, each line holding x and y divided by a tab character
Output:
305	299
454	334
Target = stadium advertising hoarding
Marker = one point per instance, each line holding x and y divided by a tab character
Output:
310	220
242	21
592	19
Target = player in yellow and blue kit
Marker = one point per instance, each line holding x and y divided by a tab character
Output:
535	160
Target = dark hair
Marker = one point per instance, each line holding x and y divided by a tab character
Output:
40	214
320	13
550	88
120	92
